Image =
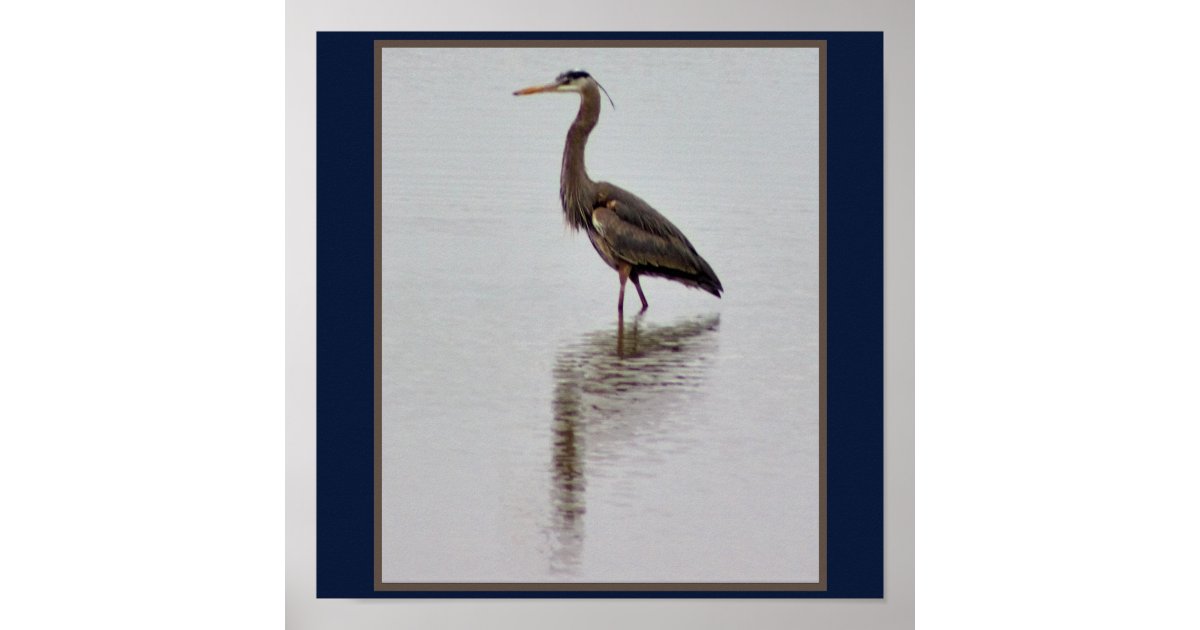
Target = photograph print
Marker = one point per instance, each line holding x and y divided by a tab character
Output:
599	316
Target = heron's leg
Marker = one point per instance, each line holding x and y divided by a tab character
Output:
638	285
623	273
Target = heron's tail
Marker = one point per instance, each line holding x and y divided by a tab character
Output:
707	279
703	278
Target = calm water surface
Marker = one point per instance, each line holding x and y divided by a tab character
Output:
529	435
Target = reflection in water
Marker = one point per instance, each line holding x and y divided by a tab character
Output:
614	391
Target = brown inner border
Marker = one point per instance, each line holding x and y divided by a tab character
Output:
380	585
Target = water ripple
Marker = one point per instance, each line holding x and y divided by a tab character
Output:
614	390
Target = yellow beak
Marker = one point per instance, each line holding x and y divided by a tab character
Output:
549	87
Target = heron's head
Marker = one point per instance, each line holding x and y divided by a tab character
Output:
577	81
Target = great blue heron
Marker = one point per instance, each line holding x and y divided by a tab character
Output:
632	237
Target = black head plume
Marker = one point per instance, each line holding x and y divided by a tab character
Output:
571	75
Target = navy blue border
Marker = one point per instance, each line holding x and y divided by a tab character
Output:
854	259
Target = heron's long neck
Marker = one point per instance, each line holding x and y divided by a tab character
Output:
575	188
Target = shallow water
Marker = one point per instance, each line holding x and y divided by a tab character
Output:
528	434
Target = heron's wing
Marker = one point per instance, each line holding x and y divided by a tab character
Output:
635	232
633	244
638	213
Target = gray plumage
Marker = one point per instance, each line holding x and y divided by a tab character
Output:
631	236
